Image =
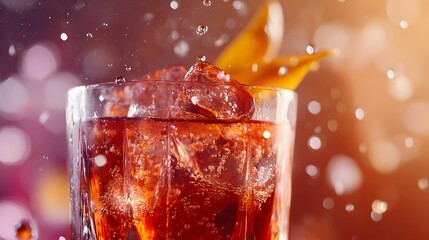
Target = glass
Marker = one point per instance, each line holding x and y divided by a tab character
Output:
144	167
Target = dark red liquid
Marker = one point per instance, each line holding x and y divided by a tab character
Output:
153	179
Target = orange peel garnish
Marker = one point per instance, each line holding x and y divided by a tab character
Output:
252	57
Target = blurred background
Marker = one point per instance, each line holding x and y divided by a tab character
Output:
361	168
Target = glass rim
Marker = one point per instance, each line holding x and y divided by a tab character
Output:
96	86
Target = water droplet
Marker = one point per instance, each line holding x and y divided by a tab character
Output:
127	68
409	142
238	5
311	49
350	207
314	142
403	24
282	71
312	171
110	64
207	3
328	203
174	5
89	35
24	230
45	157
255	67
379	206
12	50
43	117
202	29
390	74
62	238
201	58
360	114
181	49
423	183
64	36
314	107
104	25
120	80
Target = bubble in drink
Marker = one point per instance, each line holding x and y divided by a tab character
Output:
202	29
120	80
207	3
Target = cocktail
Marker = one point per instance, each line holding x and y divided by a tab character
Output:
181	155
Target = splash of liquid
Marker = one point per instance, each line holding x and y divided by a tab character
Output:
120	80
202	29
207	3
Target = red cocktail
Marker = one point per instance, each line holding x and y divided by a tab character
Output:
179	155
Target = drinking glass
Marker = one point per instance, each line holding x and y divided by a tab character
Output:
144	165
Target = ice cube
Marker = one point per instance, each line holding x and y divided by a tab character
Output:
116	101
172	73
152	95
209	93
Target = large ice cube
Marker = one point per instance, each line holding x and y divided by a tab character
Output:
209	93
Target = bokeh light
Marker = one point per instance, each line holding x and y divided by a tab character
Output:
39	62
14	145
314	142
51	197
314	107
384	157
13	97
344	174
12	213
